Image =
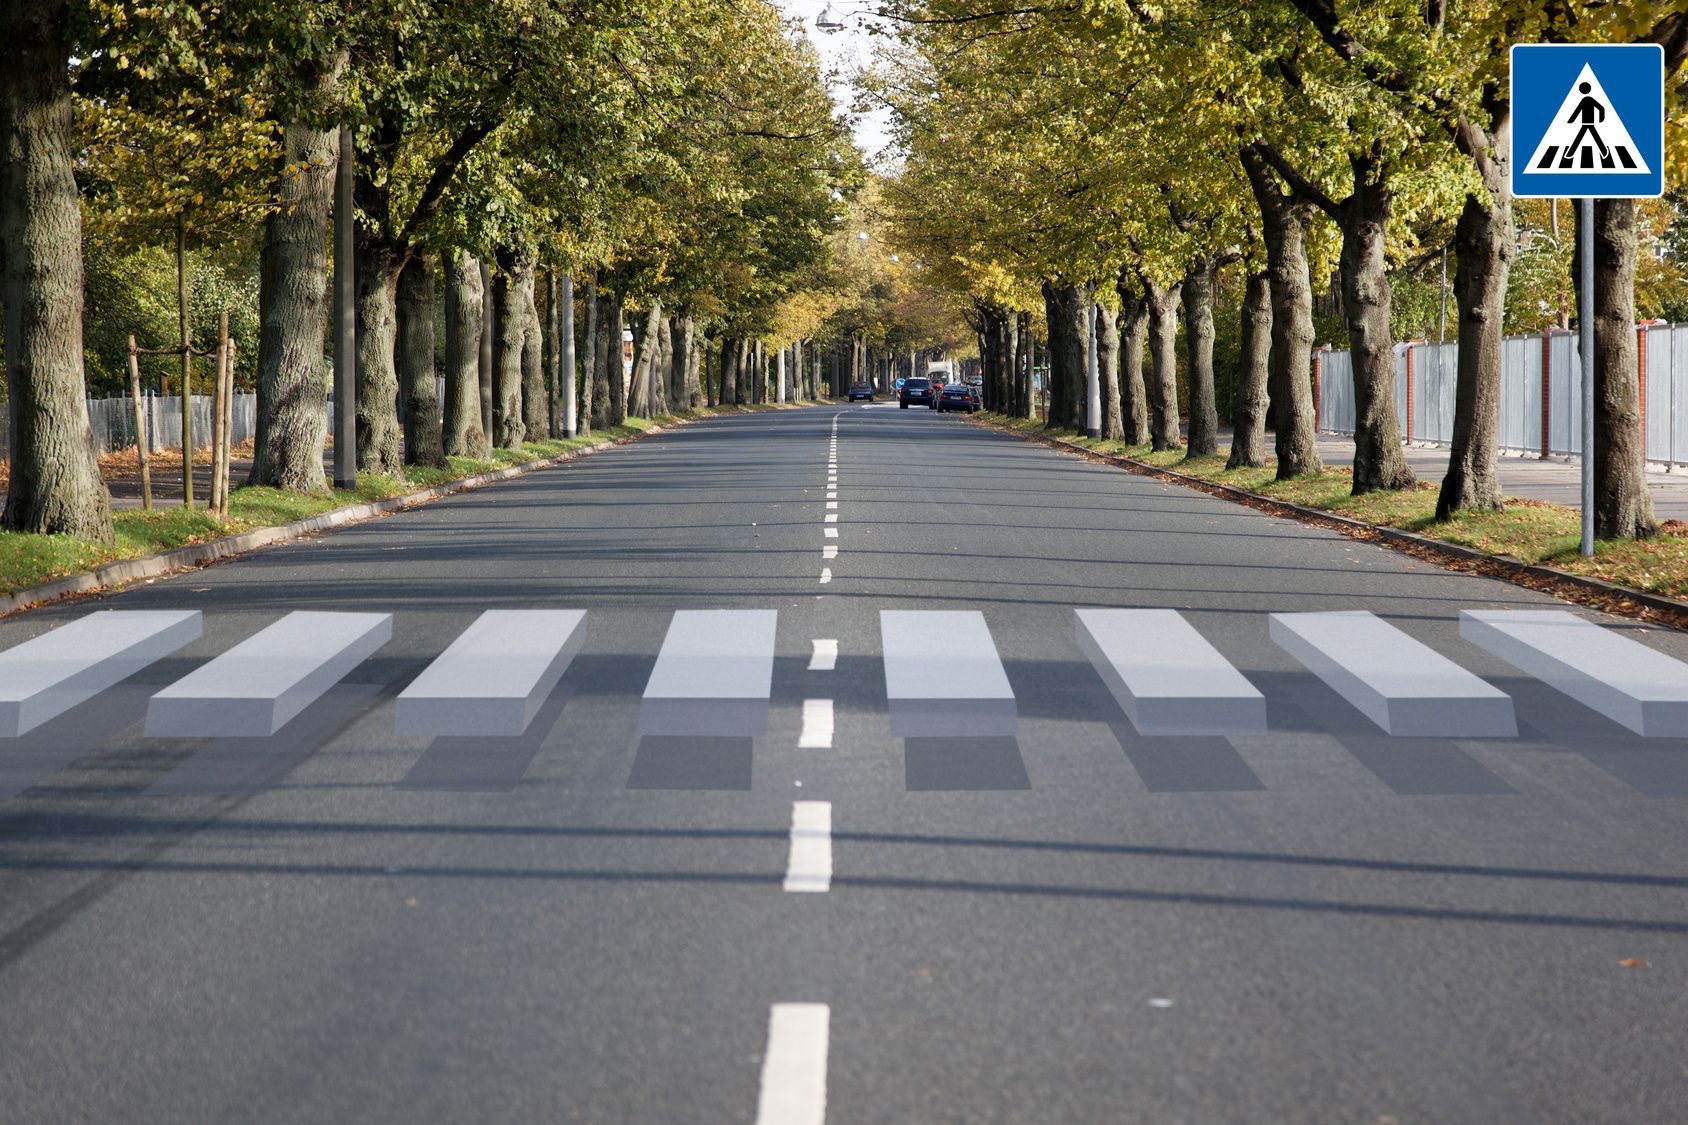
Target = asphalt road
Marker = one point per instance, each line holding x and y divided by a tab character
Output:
1074	924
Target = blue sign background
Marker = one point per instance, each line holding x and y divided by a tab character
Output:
1633	77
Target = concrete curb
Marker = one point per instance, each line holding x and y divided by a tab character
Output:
121	572
1609	596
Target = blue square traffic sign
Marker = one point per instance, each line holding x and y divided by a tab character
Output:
1588	120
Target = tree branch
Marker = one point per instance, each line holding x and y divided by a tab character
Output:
1299	184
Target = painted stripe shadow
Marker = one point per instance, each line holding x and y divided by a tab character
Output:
256	687
1651	766
1622	679
713	675
1165	676
75	734
473	764
943	677
1404	686
494	678
1411	767
243	765
43	678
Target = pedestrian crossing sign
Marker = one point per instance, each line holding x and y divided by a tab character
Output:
1588	120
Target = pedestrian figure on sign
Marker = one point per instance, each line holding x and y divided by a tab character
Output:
1589	111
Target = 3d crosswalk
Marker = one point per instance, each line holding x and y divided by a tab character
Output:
944	674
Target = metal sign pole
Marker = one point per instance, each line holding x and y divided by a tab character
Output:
1585	326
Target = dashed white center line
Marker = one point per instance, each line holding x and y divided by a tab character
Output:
832	505
832	496
830	532
826	575
830	551
817	725
794	1069
825	657
831	517
809	868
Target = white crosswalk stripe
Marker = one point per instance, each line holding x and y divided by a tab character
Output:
495	676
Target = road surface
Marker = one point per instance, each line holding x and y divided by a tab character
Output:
1023	911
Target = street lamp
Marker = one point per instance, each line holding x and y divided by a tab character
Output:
829	20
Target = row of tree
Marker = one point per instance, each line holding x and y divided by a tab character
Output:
1112	162
676	162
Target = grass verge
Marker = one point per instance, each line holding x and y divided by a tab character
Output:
28	560
1529	531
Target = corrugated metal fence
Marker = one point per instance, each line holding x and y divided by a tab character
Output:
113	422
1429	371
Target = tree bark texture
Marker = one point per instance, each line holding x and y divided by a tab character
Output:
423	442
1248	419
293	313
608	362
590	361
1284	218
489	339
536	408
1134	398
464	436
1163	376
511	313
1484	245
55	485
1107	360
1380	460
1198	342
1623	507
380	442
617	370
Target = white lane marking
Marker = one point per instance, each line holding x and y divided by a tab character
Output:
830	551
830	532
831	517
825	657
832	505
47	676
817	725
826	575
809	868
832	496
495	676
794	1068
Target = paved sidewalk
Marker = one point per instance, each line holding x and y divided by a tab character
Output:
1557	480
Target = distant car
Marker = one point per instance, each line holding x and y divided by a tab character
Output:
861	390
958	396
919	391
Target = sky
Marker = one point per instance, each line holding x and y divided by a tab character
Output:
845	52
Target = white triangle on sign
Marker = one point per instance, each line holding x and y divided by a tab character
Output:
1587	137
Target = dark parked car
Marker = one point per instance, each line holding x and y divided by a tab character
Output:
861	390
919	391
958	396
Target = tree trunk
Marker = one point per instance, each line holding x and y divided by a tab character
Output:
1284	219
1198	341
380	441
511	312
589	363
1163	377
1248	421
55	486
423	443
647	353
1623	507
679	362
618	371
464	436
1484	244
1025	358
1134	397
1380	461
293	295
1107	360
489	340
609	361
536	422
553	353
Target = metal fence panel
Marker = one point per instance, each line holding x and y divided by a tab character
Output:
1439	364
1678	392
1656	425
1401	386
1336	392
1517	396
